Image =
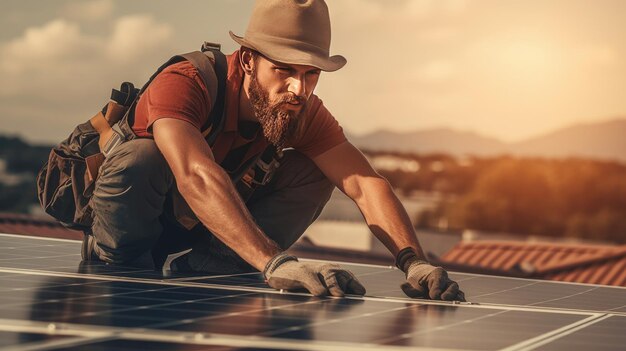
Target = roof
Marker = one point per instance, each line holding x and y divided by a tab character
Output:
591	264
16	223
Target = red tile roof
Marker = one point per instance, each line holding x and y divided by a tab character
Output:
13	223
592	264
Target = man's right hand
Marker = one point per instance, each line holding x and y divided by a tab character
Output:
427	281
424	280
320	279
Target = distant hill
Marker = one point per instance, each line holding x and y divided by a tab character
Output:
442	140
603	140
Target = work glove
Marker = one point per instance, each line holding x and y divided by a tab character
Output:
426	281
320	279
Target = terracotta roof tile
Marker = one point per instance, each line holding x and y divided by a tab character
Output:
593	264
12	223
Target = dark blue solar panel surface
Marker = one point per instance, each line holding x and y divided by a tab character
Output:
48	298
601	336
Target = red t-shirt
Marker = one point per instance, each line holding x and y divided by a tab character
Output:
179	92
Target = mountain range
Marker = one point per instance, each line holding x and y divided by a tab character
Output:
601	140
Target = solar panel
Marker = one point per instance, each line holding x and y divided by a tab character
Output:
48	300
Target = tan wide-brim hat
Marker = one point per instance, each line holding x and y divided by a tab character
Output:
292	31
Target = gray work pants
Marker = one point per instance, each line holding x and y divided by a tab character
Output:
132	214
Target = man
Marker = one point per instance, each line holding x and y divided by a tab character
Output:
137	201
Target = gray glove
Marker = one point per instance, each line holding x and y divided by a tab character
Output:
286	272
427	281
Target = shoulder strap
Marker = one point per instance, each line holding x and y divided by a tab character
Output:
171	61
203	61
217	113
211	64
123	127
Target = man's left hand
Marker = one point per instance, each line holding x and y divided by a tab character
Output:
427	281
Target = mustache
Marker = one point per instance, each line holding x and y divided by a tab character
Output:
291	98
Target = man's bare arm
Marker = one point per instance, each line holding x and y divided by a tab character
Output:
210	193
347	168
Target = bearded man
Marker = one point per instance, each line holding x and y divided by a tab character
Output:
167	199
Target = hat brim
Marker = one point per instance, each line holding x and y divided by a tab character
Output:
286	54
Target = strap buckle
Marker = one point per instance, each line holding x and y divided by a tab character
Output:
116	139
207	45
260	174
267	171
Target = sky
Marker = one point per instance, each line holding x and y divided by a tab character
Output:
502	68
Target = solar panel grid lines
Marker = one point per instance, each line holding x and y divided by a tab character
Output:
113	278
539	293
334	321
238	313
127	308
551	281
8	339
275	292
462	276
266	289
532	344
141	305
58	344
98	333
601	335
395	338
617	310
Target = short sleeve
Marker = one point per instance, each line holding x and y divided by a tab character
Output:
321	131
177	92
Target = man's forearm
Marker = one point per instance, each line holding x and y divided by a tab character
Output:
386	217
213	198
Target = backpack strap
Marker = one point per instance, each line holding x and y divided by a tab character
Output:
206	71
213	73
212	67
123	128
217	112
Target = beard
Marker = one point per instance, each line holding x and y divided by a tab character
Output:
278	124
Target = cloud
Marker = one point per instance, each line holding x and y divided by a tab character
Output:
89	11
57	75
57	41
44	57
135	35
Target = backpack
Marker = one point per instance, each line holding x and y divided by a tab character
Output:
66	181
